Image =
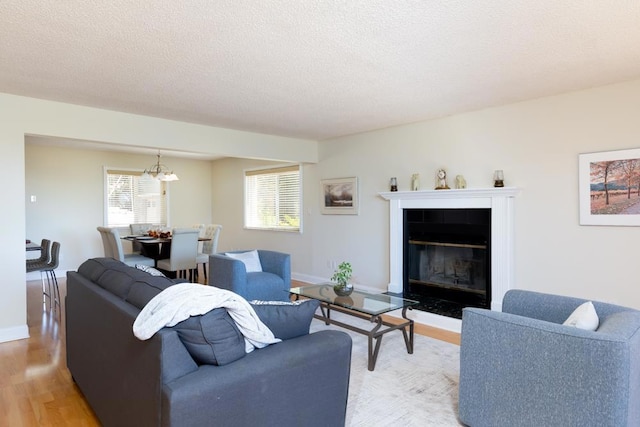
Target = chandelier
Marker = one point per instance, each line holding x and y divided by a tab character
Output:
159	172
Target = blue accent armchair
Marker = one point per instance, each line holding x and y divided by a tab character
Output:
271	284
522	367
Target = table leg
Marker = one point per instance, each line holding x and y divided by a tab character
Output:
408	340
326	315
373	352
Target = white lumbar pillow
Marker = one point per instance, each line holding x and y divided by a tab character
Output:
584	317
251	260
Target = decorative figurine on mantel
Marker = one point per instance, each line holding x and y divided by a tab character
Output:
460	182
415	182
441	181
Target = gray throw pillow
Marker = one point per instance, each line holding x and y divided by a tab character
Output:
151	270
212	338
286	319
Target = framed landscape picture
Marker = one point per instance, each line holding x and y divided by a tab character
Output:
610	188
340	196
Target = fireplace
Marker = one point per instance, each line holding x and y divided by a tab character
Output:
447	259
493	207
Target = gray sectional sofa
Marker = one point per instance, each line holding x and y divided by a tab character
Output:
301	381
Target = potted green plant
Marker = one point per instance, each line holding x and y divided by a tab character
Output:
341	276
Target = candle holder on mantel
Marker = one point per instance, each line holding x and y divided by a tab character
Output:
498	178
393	183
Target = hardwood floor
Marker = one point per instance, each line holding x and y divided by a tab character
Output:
36	388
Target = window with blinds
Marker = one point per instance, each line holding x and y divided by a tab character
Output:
131	199
272	198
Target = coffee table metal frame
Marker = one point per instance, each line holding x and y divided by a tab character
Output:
376	332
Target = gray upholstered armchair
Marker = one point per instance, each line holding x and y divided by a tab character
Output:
522	367
270	284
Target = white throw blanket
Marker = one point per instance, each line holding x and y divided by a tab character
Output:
179	302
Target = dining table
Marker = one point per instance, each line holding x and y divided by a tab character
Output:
30	246
156	248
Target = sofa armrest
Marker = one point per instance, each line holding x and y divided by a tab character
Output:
301	381
518	368
552	308
120	376
227	273
536	305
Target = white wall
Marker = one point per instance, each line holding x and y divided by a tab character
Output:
68	185
228	210
536	143
22	116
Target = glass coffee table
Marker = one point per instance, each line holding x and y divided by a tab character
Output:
364	305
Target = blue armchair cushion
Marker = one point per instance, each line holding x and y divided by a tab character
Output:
286	319
212	338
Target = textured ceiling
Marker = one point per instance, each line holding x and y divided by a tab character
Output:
308	68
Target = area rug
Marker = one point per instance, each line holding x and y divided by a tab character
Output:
419	389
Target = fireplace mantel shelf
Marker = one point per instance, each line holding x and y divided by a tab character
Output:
450	194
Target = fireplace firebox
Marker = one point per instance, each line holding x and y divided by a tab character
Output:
447	259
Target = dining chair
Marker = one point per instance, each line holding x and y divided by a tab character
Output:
209	247
139	229
113	248
184	249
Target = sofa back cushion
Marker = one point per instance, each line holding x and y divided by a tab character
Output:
212	338
112	275
145	288
93	268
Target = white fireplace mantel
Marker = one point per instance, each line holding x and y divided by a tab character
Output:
499	200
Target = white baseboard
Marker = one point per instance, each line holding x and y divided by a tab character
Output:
14	333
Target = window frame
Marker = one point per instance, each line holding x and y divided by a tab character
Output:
268	170
107	170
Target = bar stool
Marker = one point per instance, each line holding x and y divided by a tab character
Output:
50	289
45	249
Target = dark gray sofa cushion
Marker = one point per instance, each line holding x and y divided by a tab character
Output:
286	319
93	268
145	288
212	338
110	274
118	279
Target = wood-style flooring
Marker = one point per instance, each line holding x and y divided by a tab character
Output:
36	388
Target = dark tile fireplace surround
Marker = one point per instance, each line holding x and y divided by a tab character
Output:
447	259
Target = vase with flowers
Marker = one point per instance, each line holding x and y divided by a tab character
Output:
341	276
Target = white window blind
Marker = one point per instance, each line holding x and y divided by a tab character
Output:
133	200
272	198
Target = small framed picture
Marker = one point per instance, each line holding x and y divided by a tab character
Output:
340	196
610	188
